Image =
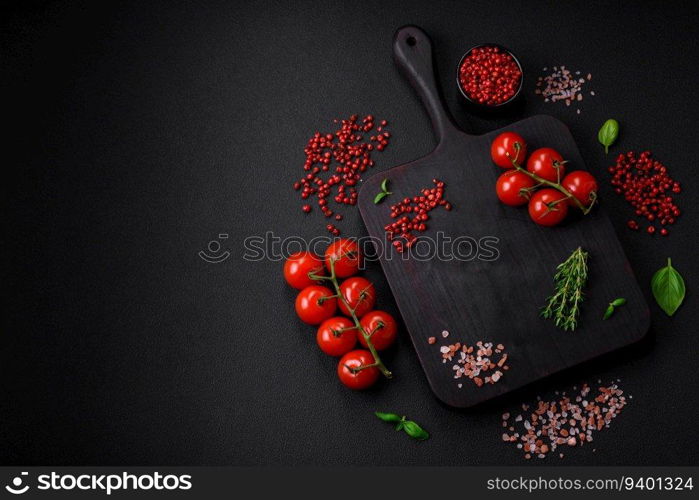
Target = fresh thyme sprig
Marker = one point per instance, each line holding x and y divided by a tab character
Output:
564	305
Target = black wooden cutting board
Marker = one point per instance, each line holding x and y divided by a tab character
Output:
496	300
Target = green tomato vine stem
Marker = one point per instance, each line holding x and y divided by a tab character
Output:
555	185
378	363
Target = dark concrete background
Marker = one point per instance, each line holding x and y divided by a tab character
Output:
139	132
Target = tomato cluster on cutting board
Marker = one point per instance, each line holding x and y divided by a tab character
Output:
539	180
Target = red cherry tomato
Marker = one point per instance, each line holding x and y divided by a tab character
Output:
545	207
383	326
345	253
337	336
510	185
581	184
313	305
350	376
359	294
503	150
547	163
297	267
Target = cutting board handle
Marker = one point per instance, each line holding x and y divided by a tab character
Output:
412	53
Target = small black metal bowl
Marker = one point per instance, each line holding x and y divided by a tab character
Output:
487	107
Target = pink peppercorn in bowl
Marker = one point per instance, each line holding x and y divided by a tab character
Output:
489	77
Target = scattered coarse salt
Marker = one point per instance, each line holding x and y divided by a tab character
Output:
445	333
432	340
566	420
562	85
476	363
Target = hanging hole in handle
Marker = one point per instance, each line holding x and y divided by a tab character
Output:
411	41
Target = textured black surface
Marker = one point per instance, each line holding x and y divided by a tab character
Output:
141	132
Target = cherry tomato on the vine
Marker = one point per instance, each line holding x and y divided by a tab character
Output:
381	327
548	207
345	253
336	336
581	185
503	149
547	163
352	375
360	295
299	265
315	304
511	188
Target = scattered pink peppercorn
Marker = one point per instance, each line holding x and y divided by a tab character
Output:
344	155
647	186
401	232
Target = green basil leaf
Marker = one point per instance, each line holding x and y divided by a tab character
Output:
379	197
608	313
668	288
608	133
414	431
618	302
399	426
384	186
387	417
